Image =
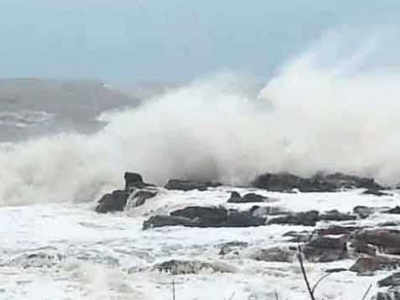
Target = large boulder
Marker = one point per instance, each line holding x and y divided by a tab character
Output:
188	185
134	181
302	218
139	197
197	216
164	220
387	240
325	249
285	182
370	264
115	201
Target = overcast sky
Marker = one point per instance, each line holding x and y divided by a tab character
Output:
166	40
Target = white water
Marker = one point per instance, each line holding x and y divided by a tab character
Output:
321	112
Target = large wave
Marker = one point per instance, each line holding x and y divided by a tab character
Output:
320	112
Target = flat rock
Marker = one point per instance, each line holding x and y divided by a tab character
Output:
188	185
302	218
273	254
325	249
247	198
335	215
387	240
370	264
164	220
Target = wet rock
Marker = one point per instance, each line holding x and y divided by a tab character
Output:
36	260
375	192
247	198
362	247
335	270
188	185
363	211
395	210
178	267
283	182
387	240
116	201
274	254
370	264
326	249
232	247
390	281
134	181
389	295
337	230
197	216
303	218
335	215
163	220
298	237
264	211
139	197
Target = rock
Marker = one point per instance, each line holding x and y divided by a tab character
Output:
363	211
178	267
248	198
371	264
264	211
337	230
139	197
274	254
162	221
335	215
232	247
391	281
115	201
302	218
197	216
375	192
387	240
389	295
298	237
362	247
283	182
188	185
37	260
134	181
208	216
325	249
395	210
335	270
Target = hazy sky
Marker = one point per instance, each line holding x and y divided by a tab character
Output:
167	40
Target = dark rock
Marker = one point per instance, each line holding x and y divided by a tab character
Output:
207	216
139	198
335	270
163	220
391	281
335	215
188	185
264	211
388	295
362	247
336	230
363	211
134	181
395	210
298	237
232	247
375	192
248	198
371	264
274	254
302	218
326	249
387	240
197	216
115	201
283	182
177	267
